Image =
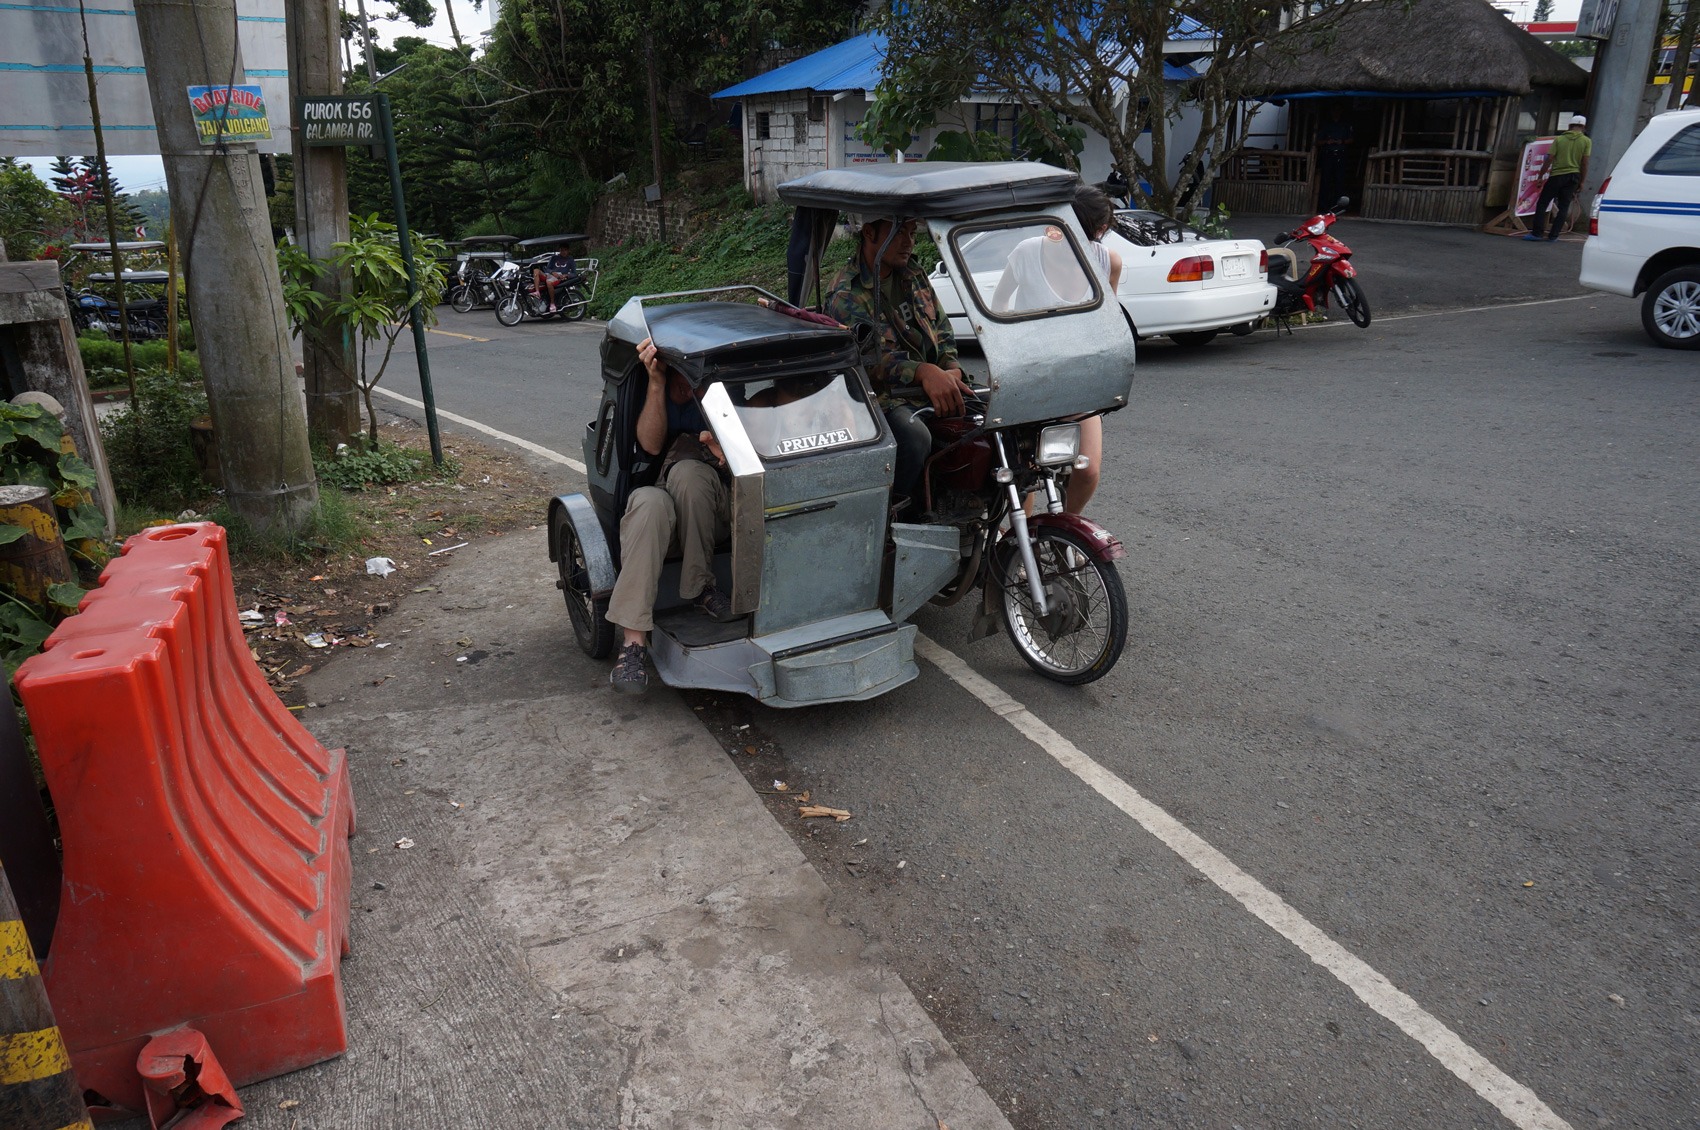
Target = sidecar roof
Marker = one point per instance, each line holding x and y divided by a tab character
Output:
703	339
932	189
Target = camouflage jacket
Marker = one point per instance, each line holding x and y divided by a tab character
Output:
915	331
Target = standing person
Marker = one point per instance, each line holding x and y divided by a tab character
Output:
1566	174
560	269
688	513
1097	214
1333	145
882	288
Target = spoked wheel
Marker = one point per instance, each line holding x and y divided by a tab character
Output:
589	614
576	306
510	309
1081	635
462	298
1351	298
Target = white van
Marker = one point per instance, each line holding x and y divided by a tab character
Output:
1644	236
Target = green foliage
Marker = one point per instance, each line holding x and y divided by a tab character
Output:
333	527
970	145
359	466
31	442
746	247
910	97
104	353
147	443
1215	223
27	210
374	306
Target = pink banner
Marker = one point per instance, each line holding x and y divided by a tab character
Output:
1532	174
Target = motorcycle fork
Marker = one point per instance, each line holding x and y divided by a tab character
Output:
1005	475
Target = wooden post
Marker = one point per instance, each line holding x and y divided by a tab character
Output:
171	293
35	562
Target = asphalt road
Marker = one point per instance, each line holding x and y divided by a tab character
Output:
1414	646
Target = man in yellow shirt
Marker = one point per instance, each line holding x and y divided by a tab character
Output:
1569	168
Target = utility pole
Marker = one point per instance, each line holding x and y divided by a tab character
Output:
1620	81
366	38
655	134
314	28
220	211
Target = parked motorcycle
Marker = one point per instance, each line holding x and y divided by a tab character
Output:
91	312
1330	273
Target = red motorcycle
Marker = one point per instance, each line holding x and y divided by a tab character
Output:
1330	273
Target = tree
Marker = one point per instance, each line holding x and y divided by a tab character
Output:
1101	63
374	308
28	210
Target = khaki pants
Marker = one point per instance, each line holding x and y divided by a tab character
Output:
688	515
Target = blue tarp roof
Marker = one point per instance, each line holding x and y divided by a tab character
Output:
855	65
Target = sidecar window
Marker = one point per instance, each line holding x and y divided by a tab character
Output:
797	415
1025	270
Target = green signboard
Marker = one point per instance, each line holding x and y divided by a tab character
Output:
339	120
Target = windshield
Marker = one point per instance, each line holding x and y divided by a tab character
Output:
796	415
1025	269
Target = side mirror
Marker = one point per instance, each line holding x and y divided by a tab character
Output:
1341	204
1278	237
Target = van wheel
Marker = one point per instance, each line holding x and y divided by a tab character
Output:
1670	310
1194	339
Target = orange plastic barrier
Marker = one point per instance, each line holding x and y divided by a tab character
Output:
206	870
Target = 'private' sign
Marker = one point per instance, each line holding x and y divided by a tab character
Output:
339	121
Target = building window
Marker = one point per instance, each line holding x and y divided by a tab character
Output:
761	126
997	117
817	109
800	128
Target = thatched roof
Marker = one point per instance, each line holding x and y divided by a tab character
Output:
1423	47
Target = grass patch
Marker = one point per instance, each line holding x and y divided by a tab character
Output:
103	359
334	528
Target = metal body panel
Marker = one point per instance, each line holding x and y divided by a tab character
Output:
597	558
833	473
786	669
717	667
927	558
848	671
746	503
1046	368
823	563
1105	545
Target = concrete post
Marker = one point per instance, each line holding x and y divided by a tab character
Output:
219	207
1620	80
321	219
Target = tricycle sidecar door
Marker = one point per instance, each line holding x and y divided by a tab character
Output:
1056	341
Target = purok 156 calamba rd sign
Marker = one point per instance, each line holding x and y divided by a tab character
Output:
339	120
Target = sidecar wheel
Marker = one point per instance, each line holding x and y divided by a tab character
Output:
1083	632
589	614
575	307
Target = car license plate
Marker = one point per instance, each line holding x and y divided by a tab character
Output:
1236	266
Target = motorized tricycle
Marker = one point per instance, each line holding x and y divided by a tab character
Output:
518	296
476	263
822	570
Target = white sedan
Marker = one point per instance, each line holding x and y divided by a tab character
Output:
1174	281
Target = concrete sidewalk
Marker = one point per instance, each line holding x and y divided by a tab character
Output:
597	924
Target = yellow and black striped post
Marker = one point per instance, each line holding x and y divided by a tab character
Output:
38	1090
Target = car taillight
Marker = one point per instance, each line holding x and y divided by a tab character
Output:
1263	261
1594	210
1194	268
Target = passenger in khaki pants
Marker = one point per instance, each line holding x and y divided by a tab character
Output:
686	514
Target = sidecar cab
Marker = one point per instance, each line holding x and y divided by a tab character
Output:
809	462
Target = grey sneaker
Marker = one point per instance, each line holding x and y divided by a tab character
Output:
716	605
629	675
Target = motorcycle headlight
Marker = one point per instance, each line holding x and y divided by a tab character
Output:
1058	445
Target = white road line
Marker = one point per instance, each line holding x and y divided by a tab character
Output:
1521	1106
1445	313
534	448
1516	1102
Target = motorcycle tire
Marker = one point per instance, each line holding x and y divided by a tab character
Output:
589	614
1351	298
1083	632
1195	338
510	309
576	306
461	298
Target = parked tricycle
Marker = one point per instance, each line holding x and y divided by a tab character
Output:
823	573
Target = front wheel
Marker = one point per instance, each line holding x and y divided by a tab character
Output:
462	298
1084	628
1194	338
510	309
1351	298
1670	310
589	614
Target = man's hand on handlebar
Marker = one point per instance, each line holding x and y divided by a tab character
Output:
944	387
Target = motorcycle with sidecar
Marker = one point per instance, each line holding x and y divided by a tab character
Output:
820	567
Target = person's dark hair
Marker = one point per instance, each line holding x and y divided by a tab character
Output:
1093	209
